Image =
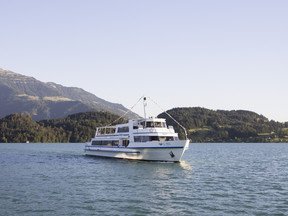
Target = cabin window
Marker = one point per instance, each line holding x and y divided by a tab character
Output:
105	142
153	138
141	138
105	130
158	124
97	142
123	129
115	143
144	138
137	139
150	124
154	124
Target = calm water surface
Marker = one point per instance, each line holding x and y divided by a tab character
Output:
212	179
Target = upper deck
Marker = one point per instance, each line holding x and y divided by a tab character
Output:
148	126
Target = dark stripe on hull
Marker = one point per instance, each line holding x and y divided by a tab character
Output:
107	150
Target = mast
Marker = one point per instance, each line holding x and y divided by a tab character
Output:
144	106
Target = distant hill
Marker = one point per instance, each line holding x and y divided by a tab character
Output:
80	127
204	125
22	94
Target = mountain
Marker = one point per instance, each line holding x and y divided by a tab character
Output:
204	125
23	94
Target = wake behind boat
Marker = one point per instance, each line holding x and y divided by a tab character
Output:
141	139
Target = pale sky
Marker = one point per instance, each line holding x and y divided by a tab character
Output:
218	54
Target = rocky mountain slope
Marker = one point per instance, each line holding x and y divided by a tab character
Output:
23	94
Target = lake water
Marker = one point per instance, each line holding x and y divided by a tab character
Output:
212	179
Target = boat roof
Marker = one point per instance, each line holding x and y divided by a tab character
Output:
152	119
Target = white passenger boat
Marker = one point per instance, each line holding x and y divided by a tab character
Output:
142	139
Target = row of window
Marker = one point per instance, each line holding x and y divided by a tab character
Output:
110	142
105	142
153	138
144	125
136	139
106	130
154	124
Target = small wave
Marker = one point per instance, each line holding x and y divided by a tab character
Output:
185	165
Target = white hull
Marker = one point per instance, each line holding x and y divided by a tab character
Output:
169	151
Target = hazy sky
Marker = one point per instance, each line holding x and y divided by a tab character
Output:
216	54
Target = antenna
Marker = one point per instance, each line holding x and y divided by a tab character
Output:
144	106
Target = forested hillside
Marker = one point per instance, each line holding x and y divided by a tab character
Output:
19	128
204	125
81	127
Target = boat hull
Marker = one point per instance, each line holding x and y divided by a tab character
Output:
169	151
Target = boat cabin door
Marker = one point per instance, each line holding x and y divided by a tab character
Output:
124	142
